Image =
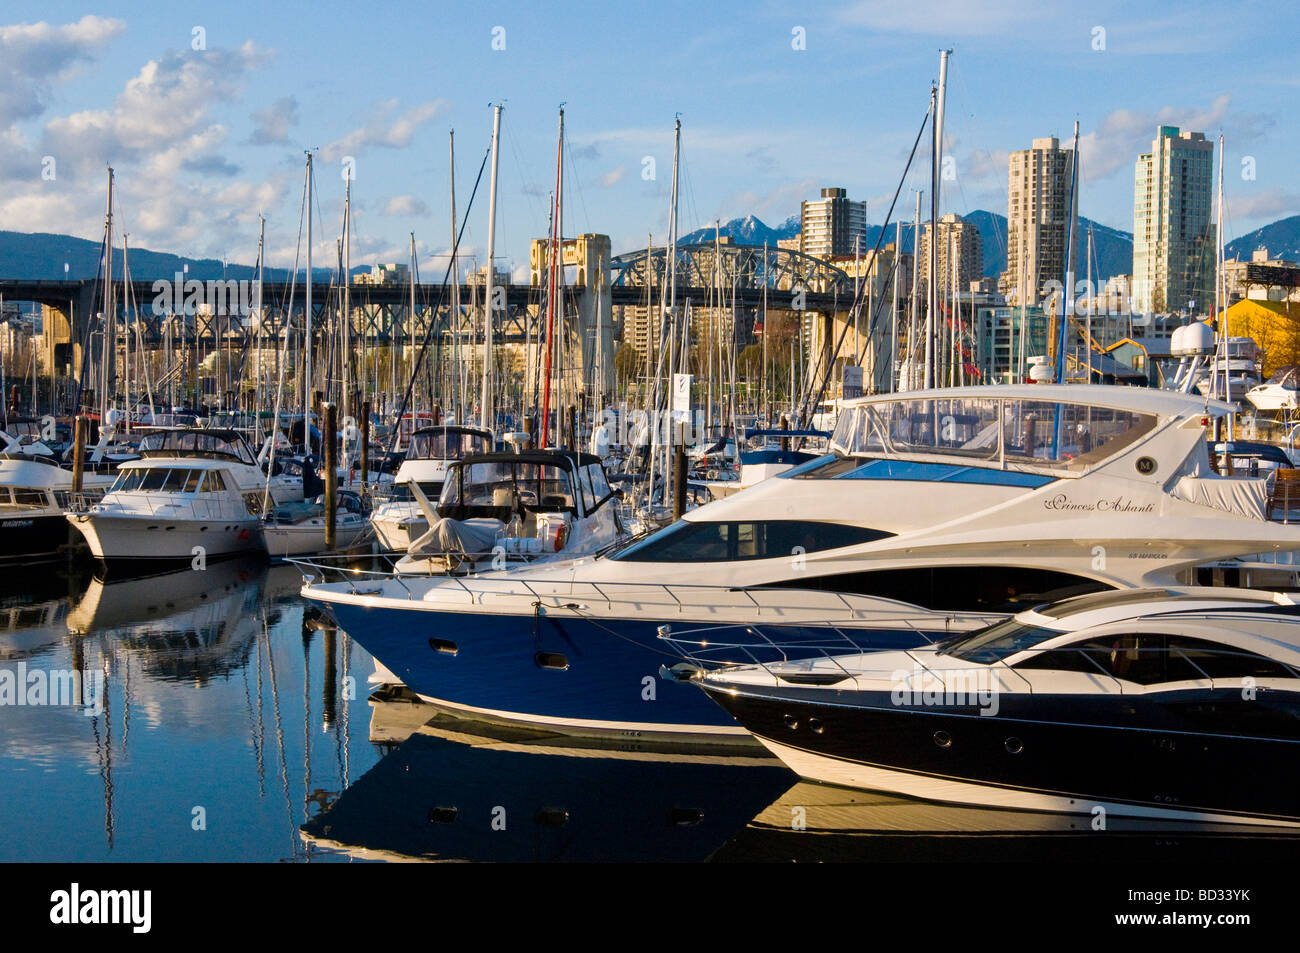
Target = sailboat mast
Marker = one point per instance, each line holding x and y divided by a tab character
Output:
108	349
459	394
557	241
936	177
486	416
307	328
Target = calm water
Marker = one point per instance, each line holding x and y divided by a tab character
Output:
225	721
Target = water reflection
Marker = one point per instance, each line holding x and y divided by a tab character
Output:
214	717
222	720
458	790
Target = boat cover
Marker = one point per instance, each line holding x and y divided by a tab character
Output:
1244	497
458	537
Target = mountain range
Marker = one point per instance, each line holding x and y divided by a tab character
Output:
42	256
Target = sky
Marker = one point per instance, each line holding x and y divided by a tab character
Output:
205	111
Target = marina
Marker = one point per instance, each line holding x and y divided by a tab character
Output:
682	435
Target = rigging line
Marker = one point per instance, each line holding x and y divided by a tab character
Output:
576	177
428	333
528	191
857	299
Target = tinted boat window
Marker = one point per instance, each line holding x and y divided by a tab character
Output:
998	641
955	588
724	542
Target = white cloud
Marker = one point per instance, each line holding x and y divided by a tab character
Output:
405	205
1125	134
34	55
271	125
613	176
384	130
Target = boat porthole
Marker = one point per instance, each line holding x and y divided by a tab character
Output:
685	816
1014	745
170	528
942	739
551	817
203	529
791	722
815	726
444	646
551	660
442	815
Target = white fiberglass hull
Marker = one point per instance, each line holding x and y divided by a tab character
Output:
828	770
113	537
308	537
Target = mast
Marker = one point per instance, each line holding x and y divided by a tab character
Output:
762	387
486	416
348	409
893	330
307	342
455	291
557	242
108	350
913	321
936	178
1220	300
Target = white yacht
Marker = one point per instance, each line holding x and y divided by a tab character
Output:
397	517
934	512
1277	395
192	492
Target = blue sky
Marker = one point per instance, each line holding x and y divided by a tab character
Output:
205	139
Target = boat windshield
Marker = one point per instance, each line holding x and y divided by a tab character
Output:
484	489
1023	432
996	642
449	444
162	480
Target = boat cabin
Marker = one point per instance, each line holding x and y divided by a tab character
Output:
504	485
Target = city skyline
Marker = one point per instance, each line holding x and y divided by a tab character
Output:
776	104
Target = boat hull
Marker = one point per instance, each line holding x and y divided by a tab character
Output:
159	540
1124	755
34	536
581	676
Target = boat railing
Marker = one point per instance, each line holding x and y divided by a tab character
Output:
707	653
164	506
717	647
831	614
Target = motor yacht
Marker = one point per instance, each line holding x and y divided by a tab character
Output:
193	492
1164	703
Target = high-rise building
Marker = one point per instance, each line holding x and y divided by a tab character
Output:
829	225
955	235
1172	243
1038	220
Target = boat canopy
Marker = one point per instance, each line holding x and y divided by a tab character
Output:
181	442
494	484
1028	428
448	443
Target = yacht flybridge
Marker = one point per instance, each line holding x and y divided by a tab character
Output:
935	512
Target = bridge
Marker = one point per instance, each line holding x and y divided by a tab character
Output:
175	310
